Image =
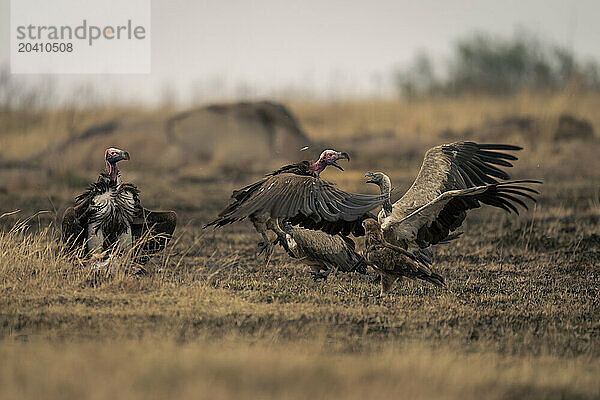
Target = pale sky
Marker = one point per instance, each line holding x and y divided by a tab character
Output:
208	50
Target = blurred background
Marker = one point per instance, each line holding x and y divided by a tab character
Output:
226	50
383	81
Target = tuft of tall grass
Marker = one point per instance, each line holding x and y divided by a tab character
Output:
31	258
36	258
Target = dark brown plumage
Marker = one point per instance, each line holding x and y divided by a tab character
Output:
302	168
393	262
109	213
297	194
322	252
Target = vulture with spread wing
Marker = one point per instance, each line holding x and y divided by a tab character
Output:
297	194
108	215
453	179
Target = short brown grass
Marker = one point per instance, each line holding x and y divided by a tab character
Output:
520	317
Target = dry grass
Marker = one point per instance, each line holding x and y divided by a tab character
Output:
229	369
429	116
520	317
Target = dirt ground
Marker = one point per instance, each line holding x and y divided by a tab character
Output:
520	317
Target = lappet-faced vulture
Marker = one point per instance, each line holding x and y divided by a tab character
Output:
296	193
109	216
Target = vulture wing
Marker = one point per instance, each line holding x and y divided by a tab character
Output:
74	230
154	229
432	222
302	200
455	166
75	219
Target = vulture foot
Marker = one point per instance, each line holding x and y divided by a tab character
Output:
376	279
99	265
138	271
316	275
266	248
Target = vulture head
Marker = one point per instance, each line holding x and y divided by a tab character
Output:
112	157
329	157
373	230
378	178
385	186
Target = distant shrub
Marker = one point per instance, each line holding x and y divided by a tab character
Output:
482	63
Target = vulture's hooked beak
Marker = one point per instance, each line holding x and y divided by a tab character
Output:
371	178
114	155
340	155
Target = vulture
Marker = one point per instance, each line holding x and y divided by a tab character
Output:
109	216
393	262
297	194
321	251
453	179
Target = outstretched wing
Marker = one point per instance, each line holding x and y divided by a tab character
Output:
455	166
302	200
432	222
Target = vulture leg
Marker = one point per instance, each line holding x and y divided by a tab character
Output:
387	283
281	236
122	251
319	270
124	241
260	224
95	245
95	239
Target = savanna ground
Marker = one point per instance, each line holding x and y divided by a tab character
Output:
520	317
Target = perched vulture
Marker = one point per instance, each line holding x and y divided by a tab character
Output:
393	262
321	251
109	215
297	194
454	178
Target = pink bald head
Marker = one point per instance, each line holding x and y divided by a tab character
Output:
329	157
112	156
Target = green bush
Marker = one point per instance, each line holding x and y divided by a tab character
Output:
482	63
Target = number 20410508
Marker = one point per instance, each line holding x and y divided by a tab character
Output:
45	47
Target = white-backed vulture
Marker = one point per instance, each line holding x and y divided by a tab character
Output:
297	194
453	179
321	251
108	215
393	262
